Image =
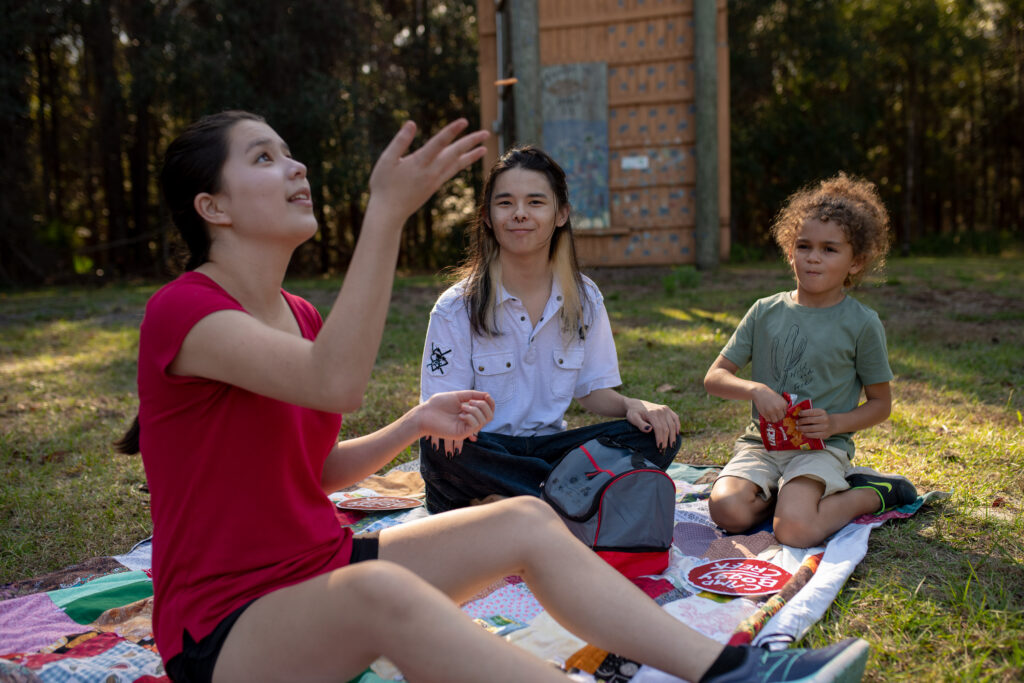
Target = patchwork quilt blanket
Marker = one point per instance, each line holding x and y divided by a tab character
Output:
91	622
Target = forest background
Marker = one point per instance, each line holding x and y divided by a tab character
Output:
926	98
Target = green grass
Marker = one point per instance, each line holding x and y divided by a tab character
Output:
939	596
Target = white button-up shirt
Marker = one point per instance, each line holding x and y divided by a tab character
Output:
529	371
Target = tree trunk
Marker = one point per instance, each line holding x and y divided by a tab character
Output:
429	253
139	166
326	231
909	163
355	219
99	41
47	126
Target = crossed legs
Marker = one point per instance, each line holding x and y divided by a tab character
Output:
404	607
516	465
802	518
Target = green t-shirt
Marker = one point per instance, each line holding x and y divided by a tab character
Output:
825	354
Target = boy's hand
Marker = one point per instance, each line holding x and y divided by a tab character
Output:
815	423
770	405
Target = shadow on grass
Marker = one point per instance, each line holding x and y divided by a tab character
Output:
940	592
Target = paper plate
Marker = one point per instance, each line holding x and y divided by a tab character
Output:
738	576
371	503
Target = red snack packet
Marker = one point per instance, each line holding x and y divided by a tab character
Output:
783	435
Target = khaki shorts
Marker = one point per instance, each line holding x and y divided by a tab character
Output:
771	470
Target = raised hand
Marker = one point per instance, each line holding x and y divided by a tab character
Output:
403	182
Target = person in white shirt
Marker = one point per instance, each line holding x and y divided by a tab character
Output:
526	326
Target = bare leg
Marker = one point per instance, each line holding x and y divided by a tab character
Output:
462	551
332	627
736	504
804	519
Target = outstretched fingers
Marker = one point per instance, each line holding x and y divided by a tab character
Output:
448	153
444	137
399	144
437	144
402	181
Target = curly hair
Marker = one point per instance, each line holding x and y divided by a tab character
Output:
854	205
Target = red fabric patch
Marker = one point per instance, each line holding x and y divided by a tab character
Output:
89	647
345	517
632	565
653	587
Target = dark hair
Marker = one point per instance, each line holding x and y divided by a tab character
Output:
479	267
129	443
192	165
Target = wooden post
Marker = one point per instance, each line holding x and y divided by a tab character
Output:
706	94
724	145
524	28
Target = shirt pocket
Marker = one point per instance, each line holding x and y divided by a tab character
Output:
566	368
493	373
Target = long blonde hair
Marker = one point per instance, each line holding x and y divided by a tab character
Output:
482	267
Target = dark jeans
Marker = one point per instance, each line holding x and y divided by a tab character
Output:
516	465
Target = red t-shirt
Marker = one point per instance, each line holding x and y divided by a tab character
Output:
234	477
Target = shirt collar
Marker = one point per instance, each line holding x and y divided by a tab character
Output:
556	293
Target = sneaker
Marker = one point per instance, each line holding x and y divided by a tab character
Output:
893	489
842	662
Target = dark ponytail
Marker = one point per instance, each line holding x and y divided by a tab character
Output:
129	443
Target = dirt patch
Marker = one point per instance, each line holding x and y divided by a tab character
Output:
650	279
954	316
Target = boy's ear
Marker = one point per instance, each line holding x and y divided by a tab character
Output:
856	266
209	210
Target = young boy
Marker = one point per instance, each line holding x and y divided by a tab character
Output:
816	343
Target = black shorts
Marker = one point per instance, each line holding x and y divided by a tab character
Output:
195	662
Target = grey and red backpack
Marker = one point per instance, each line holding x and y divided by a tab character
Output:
617	502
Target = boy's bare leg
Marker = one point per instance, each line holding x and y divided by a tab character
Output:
804	519
462	551
736	504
